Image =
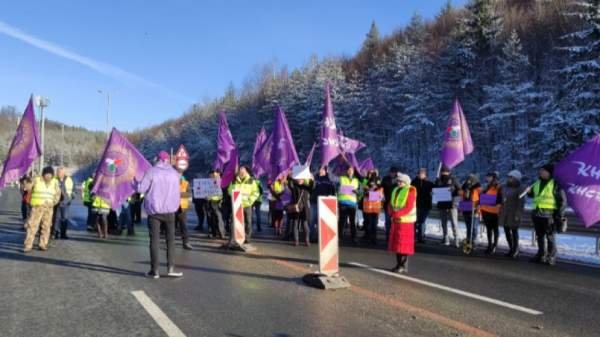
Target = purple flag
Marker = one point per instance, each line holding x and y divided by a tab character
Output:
230	168
225	143
24	149
121	163
579	175
310	155
258	167
329	136
457	138
366	166
349	145
278	153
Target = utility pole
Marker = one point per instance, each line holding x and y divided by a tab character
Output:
62	148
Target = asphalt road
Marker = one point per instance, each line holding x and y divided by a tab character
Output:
85	287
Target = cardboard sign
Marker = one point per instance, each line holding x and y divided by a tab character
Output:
205	188
441	194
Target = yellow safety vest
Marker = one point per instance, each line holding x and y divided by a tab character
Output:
399	198
100	203
183	189
346	181
277	188
86	189
248	188
43	193
545	198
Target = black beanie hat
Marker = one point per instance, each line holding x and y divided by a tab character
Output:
549	168
47	170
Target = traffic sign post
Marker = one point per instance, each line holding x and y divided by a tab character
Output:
328	276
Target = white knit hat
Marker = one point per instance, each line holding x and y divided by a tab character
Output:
404	178
515	174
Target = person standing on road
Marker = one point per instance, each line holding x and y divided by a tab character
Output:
277	190
301	187
245	183
490	202
257	204
549	201
45	194
61	211
404	214
25	186
101	210
86	196
160	185
511	213
181	214
213	208
388	183
449	209
347	199
201	208
372	200
323	187
470	191
424	188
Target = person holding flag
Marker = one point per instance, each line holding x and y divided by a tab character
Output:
86	196
549	202
45	194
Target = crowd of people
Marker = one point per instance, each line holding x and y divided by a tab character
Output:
405	204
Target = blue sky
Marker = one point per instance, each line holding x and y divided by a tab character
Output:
156	58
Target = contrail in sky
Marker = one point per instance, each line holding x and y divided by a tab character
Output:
100	67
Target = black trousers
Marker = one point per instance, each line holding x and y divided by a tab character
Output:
248	222
25	209
491	225
200	206
347	216
136	212
512	237
546	237
371	221
181	223
215	219
154	223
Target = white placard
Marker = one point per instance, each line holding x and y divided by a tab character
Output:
205	188
441	194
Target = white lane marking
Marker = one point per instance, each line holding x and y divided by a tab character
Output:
449	289
158	315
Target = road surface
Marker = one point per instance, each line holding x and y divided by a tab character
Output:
88	287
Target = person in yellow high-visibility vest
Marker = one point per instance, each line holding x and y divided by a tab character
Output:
100	210
245	183
181	214
45	194
86	197
348	200
549	201
404	215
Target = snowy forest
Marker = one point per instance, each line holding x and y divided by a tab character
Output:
527	74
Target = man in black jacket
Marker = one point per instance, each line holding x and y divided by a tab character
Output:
388	183
323	187
424	188
549	201
449	209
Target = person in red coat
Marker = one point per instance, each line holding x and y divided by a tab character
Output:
404	215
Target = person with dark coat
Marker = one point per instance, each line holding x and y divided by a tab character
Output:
424	203
372	203
324	187
404	214
470	191
511	214
549	202
301	188
490	202
388	183
449	209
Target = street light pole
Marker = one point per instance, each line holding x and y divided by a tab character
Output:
107	112
42	103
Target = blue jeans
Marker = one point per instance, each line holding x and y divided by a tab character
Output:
257	213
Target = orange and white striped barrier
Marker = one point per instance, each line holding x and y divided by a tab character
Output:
328	236
238	233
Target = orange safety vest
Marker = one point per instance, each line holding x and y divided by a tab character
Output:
183	189
491	209
372	207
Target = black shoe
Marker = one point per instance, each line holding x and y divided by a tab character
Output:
514	254
56	236
187	246
64	237
153	275
395	269
551	261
